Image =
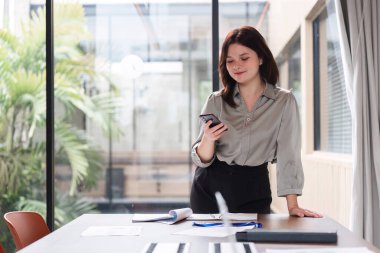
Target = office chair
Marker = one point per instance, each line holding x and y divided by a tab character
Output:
1	249
26	227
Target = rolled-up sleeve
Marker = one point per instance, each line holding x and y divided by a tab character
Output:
197	160
209	107
290	177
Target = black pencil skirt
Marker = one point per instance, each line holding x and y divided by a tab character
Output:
246	189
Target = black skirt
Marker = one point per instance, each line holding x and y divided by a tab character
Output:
246	189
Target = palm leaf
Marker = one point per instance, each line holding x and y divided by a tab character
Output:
74	143
21	167
26	86
8	41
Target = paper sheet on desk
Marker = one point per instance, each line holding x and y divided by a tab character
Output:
322	250
172	217
212	231
112	230
217	216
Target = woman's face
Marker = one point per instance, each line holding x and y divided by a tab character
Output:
242	63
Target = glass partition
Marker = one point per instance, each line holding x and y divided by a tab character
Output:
22	106
148	76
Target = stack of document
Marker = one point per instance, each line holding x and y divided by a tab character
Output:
218	216
172	217
186	213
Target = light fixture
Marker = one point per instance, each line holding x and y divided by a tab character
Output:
132	66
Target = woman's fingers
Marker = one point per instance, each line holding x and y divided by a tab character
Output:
218	130
300	212
214	132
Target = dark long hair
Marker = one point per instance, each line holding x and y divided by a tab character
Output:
251	38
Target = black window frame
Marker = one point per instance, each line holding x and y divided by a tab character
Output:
316	90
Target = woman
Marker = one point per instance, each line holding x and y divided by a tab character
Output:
260	124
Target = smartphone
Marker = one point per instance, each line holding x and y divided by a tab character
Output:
206	117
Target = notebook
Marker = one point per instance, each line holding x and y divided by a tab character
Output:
287	235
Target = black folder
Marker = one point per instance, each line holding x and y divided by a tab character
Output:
286	235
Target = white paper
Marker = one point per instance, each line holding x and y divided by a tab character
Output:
150	217
172	217
202	216
217	216
212	231
322	250
179	214
112	230
227	247
162	247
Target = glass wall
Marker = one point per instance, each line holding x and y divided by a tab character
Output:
151	60
22	107
140	73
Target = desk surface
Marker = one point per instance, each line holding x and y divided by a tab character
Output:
68	239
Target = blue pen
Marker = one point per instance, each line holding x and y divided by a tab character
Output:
235	224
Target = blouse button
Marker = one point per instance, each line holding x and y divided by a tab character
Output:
248	119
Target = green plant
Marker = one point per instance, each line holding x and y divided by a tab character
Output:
23	107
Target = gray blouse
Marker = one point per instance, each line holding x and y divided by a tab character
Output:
271	132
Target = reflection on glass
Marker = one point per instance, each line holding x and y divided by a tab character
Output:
146	158
155	59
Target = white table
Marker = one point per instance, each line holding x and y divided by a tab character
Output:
68	239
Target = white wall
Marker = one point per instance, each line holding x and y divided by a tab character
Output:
285	17
327	190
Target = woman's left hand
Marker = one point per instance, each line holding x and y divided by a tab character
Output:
300	212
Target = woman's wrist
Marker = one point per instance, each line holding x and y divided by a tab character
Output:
292	202
207	141
205	150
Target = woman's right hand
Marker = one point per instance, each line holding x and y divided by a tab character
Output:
206	147
213	133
